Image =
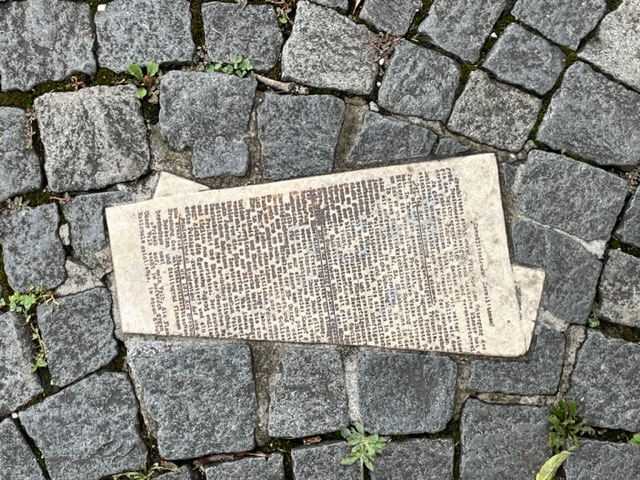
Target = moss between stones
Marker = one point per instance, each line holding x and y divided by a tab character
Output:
4	282
197	24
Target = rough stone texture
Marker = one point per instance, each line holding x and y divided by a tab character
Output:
78	335
628	230
564	22
138	31
475	114
502	442
88	430
419	82
256	468
619	289
19	166
572	196
538	375
327	50
44	40
79	279
298	134
307	395
92	138
339	4
183	474
85	215
523	58
248	30
322	462
570	123
383	139
18	383
415	459
449	147
393	17
605	381
603	460
571	271
16	458
417	390
198	397
208	113
33	252
461	26
614	46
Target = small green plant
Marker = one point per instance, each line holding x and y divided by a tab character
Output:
146	82
146	474
551	466
565	426
363	447
593	318
635	440
283	9
237	65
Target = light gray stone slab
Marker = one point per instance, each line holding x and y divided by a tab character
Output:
415	459
327	50
18	383
44	40
255	468
564	22
137	31
419	82
322	462
569	122
523	58
502	441
33	252
392	17
461	26
198	398
248	30
307	395
605	381
298	134
475	114
450	147
17	461
92	138
628	230
209	114
603	460
79	279
570	195
619	289
417	390
88	430
339	4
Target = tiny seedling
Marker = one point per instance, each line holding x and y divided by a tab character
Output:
146	82
237	65
146	474
635	440
593	318
565	426
283	9
363	447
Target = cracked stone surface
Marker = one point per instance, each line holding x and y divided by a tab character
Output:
322	462
271	468
394	17
628	230
449	147
603	460
417	458
16	458
619	289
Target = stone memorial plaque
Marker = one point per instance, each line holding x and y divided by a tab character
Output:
411	257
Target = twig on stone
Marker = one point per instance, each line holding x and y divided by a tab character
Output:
287	87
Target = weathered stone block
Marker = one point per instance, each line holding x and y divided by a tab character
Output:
415	459
603	460
393	17
628	230
322	462
619	289
16	458
271	468
449	147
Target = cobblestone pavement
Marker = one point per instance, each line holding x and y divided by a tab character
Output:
551	86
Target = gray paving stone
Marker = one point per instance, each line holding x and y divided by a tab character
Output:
603	460
613	47
19	166
307	395
415	459
298	134
248	30
78	335
85	216
523	58
339	4
198	398
502	442
18	383
192	105
569	123
619	289
384	139
572	196
605	382
461	26
16	458
322	462
565	22
475	114
628	230
538	375
393	17
419	82
417	390
327	50
92	138
449	147
88	430
43	40
255	468
571	271
79	279
33	252
138	31
183	474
